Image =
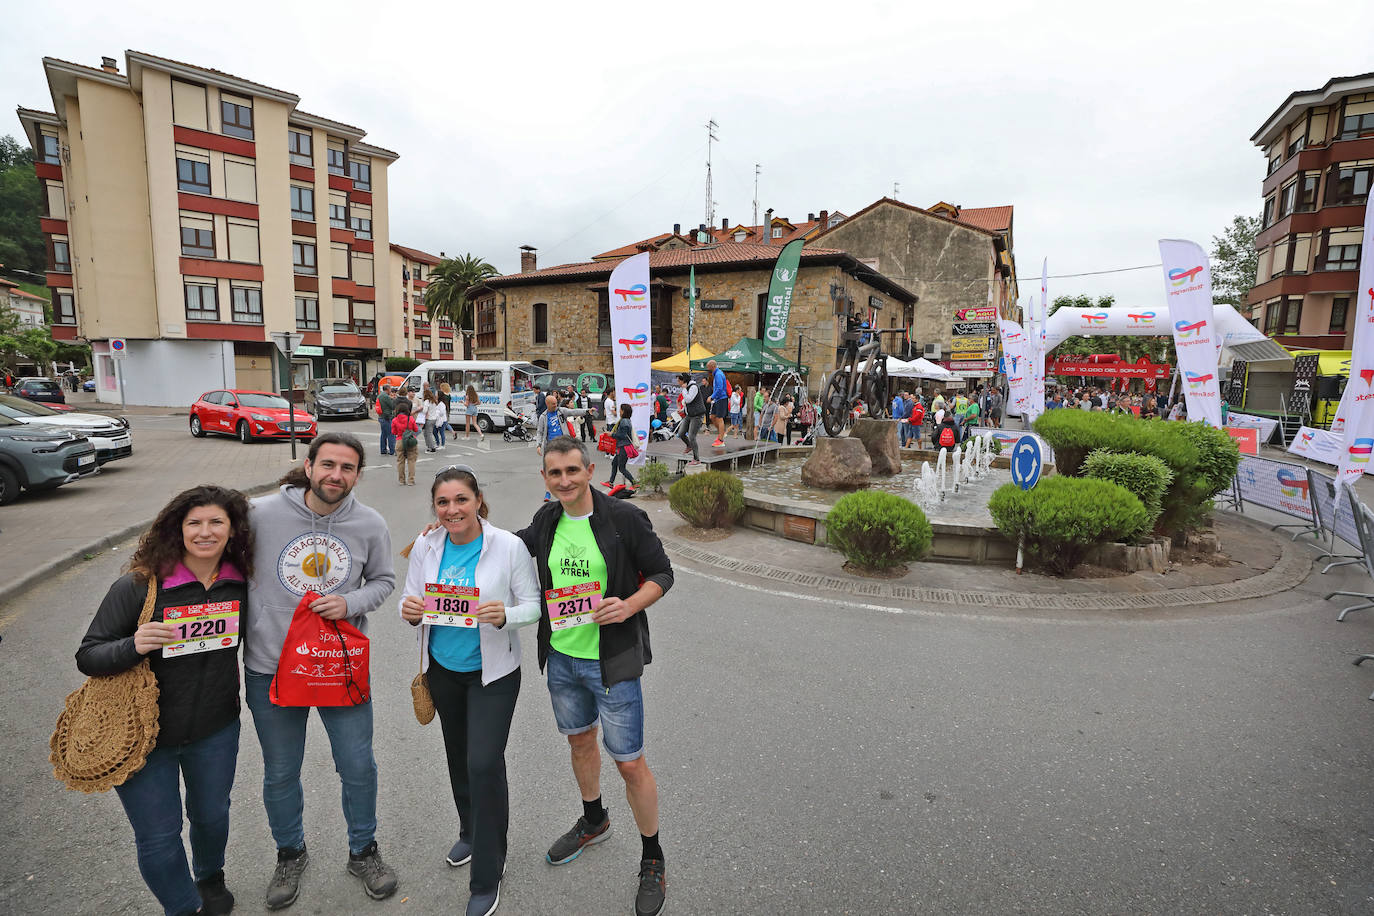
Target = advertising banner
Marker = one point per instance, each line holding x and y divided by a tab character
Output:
971	345
1188	283
1235	388
1076	366
1304	383
1342	521
691	304
1357	403
1275	485
780	293
974	328
1125	321
982	313
1264	425
1247	439
632	349
1014	364
1037	348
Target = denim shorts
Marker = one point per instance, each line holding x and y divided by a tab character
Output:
581	702
736	418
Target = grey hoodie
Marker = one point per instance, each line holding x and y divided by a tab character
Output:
356	547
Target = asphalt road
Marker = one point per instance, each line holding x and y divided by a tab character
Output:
812	758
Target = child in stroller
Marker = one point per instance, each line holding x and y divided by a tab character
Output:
517	427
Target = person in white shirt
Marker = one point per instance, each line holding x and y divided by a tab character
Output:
736	417
436	415
608	411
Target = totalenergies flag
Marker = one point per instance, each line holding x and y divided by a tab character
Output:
1188	289
1016	366
1357	405
632	348
779	306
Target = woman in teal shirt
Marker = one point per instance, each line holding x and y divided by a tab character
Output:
471	655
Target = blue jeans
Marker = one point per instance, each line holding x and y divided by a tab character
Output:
152	800
904	433
281	732
388	440
580	702
439	431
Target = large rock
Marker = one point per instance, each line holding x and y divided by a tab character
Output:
880	439
837	464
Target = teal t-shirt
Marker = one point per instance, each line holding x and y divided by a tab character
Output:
458	648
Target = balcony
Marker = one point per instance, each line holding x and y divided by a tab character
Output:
1317	158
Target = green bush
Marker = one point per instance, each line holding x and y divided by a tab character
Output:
993	443
400	363
1061	517
653	475
1145	476
1218	454
711	499
878	530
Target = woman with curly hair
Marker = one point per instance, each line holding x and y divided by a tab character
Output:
197	559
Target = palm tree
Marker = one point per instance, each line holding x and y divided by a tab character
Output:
450	282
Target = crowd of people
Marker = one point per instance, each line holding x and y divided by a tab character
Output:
582	572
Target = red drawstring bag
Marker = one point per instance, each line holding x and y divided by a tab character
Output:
323	662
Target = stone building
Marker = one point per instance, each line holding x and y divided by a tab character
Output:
558	317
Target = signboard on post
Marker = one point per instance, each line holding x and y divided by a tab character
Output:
119	348
1026	462
287	341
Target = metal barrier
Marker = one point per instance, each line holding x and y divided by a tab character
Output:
1364	522
1280	486
1335	516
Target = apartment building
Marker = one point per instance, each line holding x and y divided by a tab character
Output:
420	336
193	213
1319	153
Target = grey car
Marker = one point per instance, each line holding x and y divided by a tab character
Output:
35	456
335	399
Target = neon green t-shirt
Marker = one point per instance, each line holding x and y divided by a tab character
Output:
575	559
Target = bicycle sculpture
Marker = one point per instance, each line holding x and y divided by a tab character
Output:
862	376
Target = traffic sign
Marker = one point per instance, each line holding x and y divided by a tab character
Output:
287	341
1025	462
119	348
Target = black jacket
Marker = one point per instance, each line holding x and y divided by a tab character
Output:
633	555
198	694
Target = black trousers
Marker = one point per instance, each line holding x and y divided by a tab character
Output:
618	464
476	723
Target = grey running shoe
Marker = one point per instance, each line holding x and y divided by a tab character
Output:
460	854
286	880
570	845
485	903
653	887
379	879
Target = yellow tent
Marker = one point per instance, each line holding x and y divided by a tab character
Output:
1329	362
681	362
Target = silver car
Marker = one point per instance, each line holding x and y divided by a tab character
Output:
109	435
40	457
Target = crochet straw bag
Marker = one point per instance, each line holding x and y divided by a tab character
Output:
420	696
109	725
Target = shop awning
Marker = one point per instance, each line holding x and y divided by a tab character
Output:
748	354
681	360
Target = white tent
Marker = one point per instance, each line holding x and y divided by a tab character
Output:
920	367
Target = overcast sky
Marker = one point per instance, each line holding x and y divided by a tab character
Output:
578	127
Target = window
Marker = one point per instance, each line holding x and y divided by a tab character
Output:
197	237
360	170
1292	314
302	203
1268	212
343	318
1340	309
777	232
63	308
445	346
1342	257
188	105
364	318
51	151
418	272
338	210
362	269
240	179
202	303
1347	183
541	322
307	313
193	175
61	256
236	117
339	259
360	221
1274	162
247	304
298	144
57	199
1296	146
337	155
1272	313
303	258
1288	198
1307	192
486	323
422	345
243	241
1358	119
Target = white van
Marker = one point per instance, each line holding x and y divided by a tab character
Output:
498	383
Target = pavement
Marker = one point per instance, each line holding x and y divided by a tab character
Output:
818	750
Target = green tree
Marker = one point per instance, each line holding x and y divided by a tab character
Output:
19	342
1235	261
21	206
449	285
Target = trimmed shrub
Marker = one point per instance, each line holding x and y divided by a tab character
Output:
711	499
878	530
1145	476
993	443
400	363
1218	454
653	475
1061	517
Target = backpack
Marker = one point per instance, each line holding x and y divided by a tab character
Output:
408	440
918	414
947	437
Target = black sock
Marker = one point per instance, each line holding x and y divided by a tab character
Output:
651	848
594	811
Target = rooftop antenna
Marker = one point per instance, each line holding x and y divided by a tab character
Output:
896	190
757	168
710	203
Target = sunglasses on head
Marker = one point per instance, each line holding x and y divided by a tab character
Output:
466	469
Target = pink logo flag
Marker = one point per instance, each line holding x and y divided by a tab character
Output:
630	322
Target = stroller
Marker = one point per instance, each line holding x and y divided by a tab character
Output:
662	432
517	428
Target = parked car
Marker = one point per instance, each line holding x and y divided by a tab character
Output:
335	398
88	385
249	415
109	435
40	389
39	457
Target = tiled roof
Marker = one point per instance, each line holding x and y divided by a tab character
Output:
210	70
25	295
741	253
994	219
414	254
914	209
718	235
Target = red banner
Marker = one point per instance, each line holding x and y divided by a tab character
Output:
1247	438
1091	367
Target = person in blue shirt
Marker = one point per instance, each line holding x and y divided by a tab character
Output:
470	661
720	402
901	412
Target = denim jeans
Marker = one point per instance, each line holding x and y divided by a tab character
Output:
152	800
281	732
581	702
439	431
388	440
904	433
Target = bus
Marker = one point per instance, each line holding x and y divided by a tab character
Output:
499	383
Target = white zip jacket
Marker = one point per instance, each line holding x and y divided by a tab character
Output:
505	572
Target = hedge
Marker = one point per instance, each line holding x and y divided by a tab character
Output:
1061	517
878	530
711	499
1145	476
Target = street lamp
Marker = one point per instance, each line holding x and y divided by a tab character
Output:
287	341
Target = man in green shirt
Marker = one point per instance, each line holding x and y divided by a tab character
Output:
600	565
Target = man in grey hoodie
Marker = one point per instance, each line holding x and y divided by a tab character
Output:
314	535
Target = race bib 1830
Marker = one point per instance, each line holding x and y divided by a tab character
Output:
572	605
202	628
450	605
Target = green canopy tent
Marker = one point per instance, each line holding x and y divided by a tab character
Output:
748	354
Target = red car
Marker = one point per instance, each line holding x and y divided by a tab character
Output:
249	415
